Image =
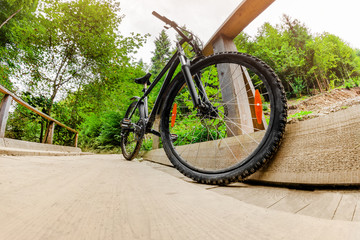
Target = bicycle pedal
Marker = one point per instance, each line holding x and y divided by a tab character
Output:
173	137
126	123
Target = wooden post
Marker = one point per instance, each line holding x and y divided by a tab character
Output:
242	16
76	139
156	139
234	84
49	133
241	91
251	96
4	113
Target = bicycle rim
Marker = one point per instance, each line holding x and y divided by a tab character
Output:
131	141
235	137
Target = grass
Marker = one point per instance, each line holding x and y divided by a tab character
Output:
300	115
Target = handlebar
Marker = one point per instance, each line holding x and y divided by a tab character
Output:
164	19
180	31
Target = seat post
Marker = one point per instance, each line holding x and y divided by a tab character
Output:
146	101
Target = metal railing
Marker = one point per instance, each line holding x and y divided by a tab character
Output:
4	113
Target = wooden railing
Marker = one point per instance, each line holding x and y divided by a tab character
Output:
241	17
222	41
4	113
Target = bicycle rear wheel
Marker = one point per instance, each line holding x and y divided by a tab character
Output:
132	133
238	136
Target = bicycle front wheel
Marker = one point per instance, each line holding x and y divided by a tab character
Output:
242	129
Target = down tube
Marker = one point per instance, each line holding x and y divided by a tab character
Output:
161	96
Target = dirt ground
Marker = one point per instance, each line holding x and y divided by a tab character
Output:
322	104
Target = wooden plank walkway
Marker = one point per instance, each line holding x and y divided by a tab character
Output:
326	204
319	151
105	197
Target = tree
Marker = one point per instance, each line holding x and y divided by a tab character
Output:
12	8
101	105
11	12
25	124
162	52
304	62
9	18
68	45
334	60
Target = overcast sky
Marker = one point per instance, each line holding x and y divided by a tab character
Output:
204	17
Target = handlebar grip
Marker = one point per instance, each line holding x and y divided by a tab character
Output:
164	19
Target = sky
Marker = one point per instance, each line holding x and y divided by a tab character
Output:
204	17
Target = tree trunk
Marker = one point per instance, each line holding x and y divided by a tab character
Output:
10	18
317	80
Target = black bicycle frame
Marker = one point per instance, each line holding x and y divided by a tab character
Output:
178	58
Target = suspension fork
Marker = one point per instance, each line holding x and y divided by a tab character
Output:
185	68
200	86
199	102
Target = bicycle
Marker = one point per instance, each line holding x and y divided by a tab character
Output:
200	128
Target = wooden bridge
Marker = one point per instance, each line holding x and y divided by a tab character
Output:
321	151
106	197
57	192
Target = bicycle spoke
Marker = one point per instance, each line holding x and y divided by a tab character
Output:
221	134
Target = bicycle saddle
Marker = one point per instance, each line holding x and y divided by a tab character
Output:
144	79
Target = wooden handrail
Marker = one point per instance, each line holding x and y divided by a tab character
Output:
31	108
242	16
243	111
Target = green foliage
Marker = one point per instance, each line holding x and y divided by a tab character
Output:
68	45
298	86
110	131
357	52
352	82
147	144
161	56
199	133
162	52
26	125
303	61
300	115
72	55
107	97
20	126
22	9
4	76
79	69
90	130
23	12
